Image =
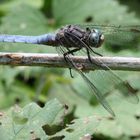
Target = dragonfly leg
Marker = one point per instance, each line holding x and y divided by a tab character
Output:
71	75
70	52
67	60
88	54
96	53
70	69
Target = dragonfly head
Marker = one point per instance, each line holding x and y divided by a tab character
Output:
96	38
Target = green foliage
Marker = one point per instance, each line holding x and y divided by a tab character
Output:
101	12
28	123
25	85
80	128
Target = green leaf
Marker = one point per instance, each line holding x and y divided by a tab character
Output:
126	121
27	123
16	22
80	11
79	129
6	6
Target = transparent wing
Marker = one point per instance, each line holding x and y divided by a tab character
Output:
114	81
118	35
125	88
97	93
92	87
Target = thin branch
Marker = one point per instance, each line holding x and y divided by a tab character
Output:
53	60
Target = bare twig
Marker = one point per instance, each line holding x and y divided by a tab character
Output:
53	60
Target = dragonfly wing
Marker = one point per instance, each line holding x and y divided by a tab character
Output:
93	88
112	78
126	89
97	93
113	28
118	35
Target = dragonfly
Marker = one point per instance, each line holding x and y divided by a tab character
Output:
70	39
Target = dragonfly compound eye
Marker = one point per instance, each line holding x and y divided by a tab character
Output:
96	38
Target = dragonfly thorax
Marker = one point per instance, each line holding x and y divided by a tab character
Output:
74	36
96	38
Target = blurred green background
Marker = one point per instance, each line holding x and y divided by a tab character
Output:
23	85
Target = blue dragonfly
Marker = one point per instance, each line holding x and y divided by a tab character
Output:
73	38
